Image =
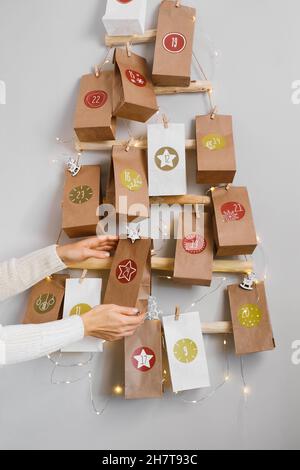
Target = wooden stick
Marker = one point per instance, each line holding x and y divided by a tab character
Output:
147	37
190	144
186	199
167	264
219	327
196	86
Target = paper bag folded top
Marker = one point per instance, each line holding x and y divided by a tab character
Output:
133	91
194	252
215	149
252	328
80	202
174	45
233	221
93	117
130	180
45	300
125	17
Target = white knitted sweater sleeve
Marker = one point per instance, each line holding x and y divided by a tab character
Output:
25	342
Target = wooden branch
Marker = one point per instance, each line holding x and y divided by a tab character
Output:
219	327
167	264
186	199
196	86
190	144
147	37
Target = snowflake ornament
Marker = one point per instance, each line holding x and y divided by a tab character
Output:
133	232
73	167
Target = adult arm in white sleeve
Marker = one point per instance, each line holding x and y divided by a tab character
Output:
17	275
20	343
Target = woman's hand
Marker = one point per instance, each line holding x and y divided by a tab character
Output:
95	247
111	322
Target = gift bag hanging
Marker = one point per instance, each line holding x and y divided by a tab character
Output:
45	300
130	181
215	149
252	327
143	362
166	159
145	287
194	251
125	17
110	190
233	221
80	202
93	120
126	272
174	45
186	351
133	91
80	297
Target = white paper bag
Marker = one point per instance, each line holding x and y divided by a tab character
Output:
186	353
166	160
80	297
125	17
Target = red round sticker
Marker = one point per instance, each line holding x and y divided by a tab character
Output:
136	78
124	1
232	211
174	42
143	359
194	243
126	271
95	99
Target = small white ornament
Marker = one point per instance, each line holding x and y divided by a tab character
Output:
133	232
73	167
248	281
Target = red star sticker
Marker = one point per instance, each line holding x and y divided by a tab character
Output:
126	271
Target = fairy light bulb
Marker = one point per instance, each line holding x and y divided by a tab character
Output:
227	378
118	390
246	390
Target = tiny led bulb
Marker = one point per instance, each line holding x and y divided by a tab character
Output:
225	342
48	278
227	378
118	390
246	391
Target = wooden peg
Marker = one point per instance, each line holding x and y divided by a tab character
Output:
83	276
177	313
213	113
128	49
97	71
177	3
165	121
129	144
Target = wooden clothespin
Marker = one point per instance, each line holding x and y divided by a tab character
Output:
129	144
227	187
97	71
177	3
128	49
177	313
83	276
197	211
165	121
213	113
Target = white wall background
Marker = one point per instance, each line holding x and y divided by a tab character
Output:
45	46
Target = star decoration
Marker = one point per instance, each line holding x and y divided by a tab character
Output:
143	359
166	159
133	232
127	271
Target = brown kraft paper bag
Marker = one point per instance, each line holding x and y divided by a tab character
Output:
252	328
145	287
130	173
233	221
215	149
127	272
194	253
45	300
174	45
133	91
110	191
143	362
80	202
93	120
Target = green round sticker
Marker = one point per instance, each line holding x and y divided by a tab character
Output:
81	194
44	303
249	315
80	309
185	350
131	179
214	142
166	158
